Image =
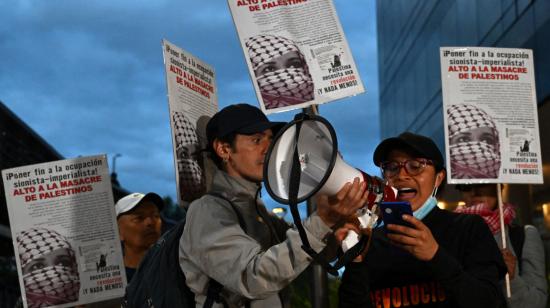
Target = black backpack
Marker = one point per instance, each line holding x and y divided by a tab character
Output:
159	281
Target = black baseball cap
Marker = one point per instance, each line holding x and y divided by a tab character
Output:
239	118
418	145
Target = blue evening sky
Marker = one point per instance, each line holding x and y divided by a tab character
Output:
88	77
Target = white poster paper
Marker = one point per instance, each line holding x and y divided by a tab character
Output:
296	52
192	98
65	234
490	115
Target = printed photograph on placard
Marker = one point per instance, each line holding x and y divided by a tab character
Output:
281	71
49	267
474	143
187	148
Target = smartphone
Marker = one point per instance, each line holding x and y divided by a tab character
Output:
392	213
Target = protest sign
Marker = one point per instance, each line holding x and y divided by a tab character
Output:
63	222
490	115
296	52
192	100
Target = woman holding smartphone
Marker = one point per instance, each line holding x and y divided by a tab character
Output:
442	259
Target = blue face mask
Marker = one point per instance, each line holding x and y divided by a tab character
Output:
425	208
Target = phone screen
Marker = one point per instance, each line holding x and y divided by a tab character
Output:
392	212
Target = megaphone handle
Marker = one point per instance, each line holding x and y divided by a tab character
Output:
305	242
347	257
352	253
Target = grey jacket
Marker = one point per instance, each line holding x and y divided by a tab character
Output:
249	265
528	288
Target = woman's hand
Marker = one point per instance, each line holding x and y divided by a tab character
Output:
417	240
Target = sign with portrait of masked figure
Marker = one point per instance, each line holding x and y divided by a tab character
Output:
296	52
490	115
65	233
192	100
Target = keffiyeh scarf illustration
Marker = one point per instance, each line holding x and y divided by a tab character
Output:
51	284
189	170
282	87
472	159
490	216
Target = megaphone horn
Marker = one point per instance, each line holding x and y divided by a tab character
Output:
321	167
303	160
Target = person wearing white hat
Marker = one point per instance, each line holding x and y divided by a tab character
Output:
139	225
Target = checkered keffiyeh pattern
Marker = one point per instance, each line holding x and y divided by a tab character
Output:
263	48
472	159
283	87
491	217
52	285
48	284
35	242
190	172
186	135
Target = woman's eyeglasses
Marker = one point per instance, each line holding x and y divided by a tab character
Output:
412	166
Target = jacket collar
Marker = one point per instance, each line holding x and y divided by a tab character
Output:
232	187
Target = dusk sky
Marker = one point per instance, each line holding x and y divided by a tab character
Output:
88	77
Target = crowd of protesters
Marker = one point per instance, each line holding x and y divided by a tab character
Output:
435	258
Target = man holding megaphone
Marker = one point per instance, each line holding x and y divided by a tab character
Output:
433	258
229	237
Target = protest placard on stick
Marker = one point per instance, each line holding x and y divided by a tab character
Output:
296	52
192	99
490	115
64	230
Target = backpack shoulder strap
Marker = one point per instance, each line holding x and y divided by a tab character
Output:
214	287
517	238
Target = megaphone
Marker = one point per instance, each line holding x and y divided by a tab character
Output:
303	160
321	167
